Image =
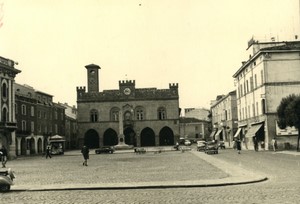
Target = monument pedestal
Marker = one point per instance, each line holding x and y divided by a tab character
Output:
122	145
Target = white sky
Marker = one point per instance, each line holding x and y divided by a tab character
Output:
196	43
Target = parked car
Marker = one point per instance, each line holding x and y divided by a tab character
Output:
187	143
201	145
221	145
211	147
105	149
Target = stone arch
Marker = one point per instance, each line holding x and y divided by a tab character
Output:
91	139
31	143
110	137
166	136
39	145
23	146
147	137
130	136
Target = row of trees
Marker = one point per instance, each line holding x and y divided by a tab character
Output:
289	113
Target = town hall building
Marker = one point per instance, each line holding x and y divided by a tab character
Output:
138	117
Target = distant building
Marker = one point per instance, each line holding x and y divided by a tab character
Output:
198	113
224	118
8	123
271	73
70	125
145	116
38	118
193	128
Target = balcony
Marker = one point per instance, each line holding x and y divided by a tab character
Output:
8	126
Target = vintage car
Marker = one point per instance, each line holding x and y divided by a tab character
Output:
187	143
222	145
211	147
105	149
201	145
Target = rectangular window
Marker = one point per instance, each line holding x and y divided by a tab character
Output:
32	126
253	109
39	114
255	81
256	108
262	77
55	129
247	86
32	111
241	90
251	84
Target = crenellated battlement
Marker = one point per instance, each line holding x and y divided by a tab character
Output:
127	83
81	88
173	85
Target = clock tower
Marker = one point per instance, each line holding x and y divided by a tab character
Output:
93	77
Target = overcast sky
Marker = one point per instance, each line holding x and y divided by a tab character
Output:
198	44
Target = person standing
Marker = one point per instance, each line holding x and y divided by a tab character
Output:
48	152
85	153
3	153
255	143
238	145
274	144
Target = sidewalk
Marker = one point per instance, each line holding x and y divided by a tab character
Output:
234	175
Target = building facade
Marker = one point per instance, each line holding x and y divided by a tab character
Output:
38	118
271	73
145	116
194	129
70	125
224	118
199	113
8	123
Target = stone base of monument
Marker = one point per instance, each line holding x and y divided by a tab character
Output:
122	145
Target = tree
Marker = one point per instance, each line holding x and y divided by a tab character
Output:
288	113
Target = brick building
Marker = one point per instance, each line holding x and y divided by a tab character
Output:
145	116
38	118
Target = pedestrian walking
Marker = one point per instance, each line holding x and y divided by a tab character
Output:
48	152
3	154
274	144
85	153
238	145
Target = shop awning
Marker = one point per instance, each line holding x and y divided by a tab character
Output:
212	134
254	128
237	132
217	135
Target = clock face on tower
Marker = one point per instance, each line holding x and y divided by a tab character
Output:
127	91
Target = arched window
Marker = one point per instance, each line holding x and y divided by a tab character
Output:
4	90
162	115
94	115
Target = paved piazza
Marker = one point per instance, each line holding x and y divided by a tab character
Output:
282	170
